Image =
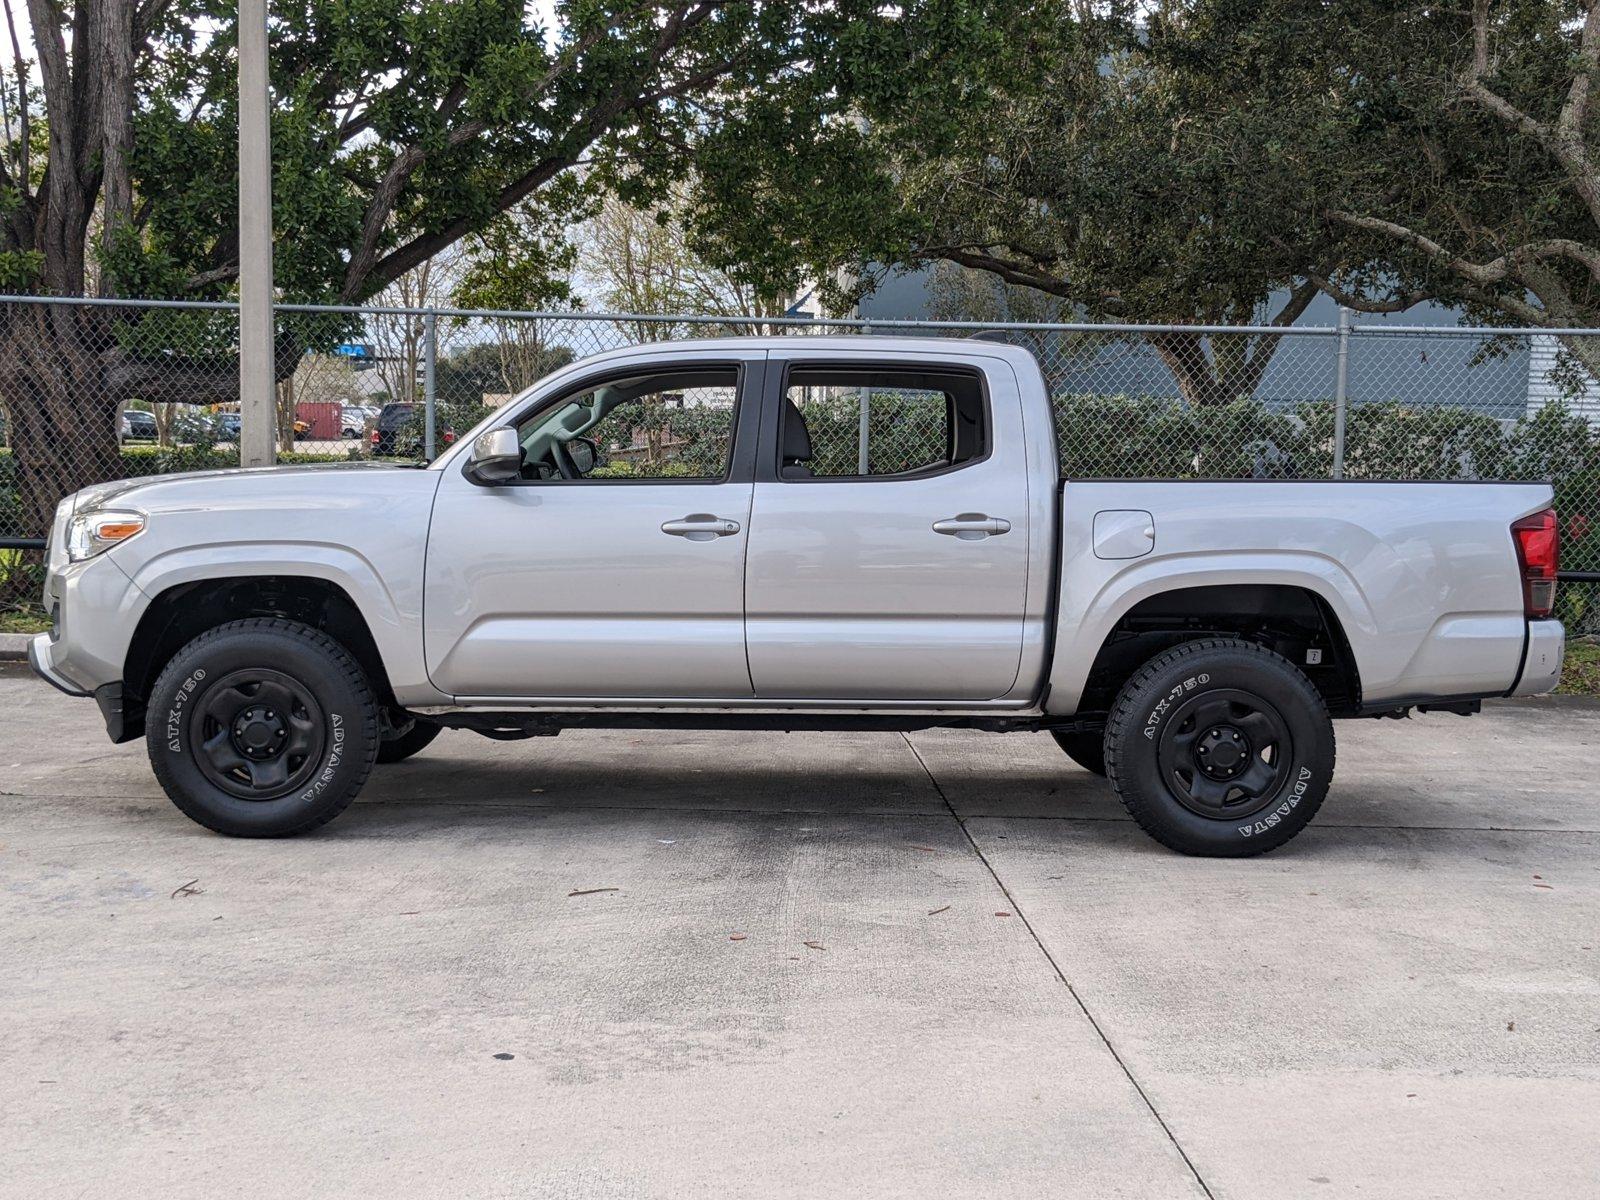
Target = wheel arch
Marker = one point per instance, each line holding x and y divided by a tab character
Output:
183	611
1297	621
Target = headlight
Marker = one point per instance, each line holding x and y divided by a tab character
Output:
91	532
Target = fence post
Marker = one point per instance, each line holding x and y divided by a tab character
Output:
864	426
1341	392
430	358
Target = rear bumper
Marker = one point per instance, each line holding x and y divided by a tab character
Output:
1541	661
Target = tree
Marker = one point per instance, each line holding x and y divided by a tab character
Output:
1091	164
399	126
1410	152
521	263
637	260
487	372
398	338
1473	172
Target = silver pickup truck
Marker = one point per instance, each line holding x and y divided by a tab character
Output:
788	534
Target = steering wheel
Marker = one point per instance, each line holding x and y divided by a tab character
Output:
564	464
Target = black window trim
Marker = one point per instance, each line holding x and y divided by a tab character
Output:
748	379
771	462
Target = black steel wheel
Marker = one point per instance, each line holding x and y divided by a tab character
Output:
1225	753
262	728
260	733
1220	747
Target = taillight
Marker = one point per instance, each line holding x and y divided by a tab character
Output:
374	437
1538	541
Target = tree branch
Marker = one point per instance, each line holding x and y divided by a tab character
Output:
1481	278
24	168
1364	304
1563	141
367	276
1497	270
1575	111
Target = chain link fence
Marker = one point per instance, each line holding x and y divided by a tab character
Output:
92	391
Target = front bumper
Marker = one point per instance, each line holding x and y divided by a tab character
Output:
1541	661
40	659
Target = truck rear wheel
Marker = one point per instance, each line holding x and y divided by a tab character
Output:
1220	747
1088	750
262	728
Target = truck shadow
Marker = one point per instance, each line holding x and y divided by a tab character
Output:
864	774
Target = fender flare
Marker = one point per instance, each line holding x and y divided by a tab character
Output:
392	631
1107	600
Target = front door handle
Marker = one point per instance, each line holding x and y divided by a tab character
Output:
700	527
969	527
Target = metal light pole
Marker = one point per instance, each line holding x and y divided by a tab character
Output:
257	413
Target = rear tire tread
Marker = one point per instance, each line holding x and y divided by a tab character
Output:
1130	699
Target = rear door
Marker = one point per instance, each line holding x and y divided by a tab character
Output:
889	545
626	582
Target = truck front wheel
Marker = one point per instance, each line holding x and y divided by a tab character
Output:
1220	747
262	728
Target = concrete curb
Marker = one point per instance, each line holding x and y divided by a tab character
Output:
14	646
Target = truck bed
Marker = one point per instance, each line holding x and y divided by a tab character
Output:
1422	578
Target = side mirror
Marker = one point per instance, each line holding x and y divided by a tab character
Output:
496	458
584	454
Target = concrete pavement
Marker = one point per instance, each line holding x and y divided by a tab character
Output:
1404	1002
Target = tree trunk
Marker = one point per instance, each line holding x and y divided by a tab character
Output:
1231	370
63	416
66	376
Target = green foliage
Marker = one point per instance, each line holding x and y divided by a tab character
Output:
401	126
1078	160
650	438
1162	438
20	269
496	369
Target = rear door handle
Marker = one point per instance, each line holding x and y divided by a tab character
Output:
700	527
969	527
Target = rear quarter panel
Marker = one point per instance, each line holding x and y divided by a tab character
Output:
1421	576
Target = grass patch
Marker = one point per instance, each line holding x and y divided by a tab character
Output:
24	621
1580	675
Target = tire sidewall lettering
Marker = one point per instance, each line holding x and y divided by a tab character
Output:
1153	721
1289	803
175	711
325	777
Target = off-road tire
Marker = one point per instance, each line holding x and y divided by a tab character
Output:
1088	750
1156	711
331	704
404	745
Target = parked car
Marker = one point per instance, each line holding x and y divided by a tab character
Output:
388	437
398	431
138	425
354	420
274	634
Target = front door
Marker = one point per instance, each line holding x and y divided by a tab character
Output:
614	567
889	532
